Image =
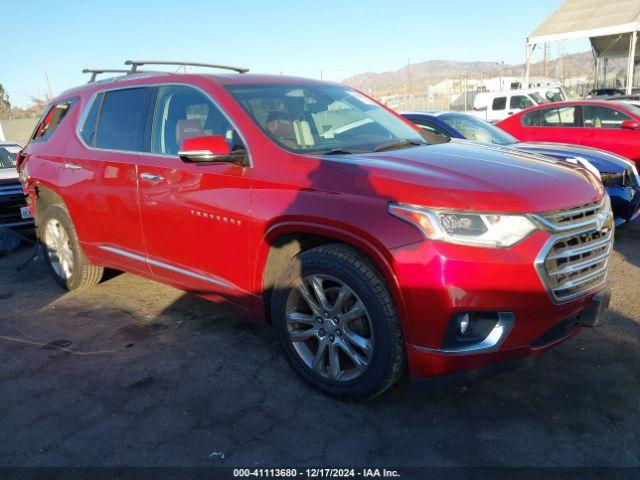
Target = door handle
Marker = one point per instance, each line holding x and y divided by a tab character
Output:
72	166
150	177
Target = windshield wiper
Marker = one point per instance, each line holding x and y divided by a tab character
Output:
399	144
337	151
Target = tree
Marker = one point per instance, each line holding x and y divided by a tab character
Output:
5	104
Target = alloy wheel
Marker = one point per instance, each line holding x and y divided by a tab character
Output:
58	246
329	328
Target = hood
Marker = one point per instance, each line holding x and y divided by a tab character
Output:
605	162
475	177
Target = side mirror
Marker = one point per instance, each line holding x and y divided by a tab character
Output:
630	125
213	148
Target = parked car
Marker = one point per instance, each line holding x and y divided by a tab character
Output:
607	125
496	106
604	92
557	93
619	175
321	211
13	207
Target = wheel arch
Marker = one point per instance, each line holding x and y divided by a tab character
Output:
44	198
284	241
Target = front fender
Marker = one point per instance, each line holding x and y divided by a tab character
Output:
372	248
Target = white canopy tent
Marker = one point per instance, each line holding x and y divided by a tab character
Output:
610	25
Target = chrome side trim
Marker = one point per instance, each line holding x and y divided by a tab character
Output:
87	108
166	266
502	328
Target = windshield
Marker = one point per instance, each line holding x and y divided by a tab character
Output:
323	119
8	155
537	98
554	95
473	128
633	107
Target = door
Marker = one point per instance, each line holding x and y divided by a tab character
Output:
108	215
497	110
195	216
602	128
553	124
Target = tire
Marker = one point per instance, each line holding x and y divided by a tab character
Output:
346	340
63	256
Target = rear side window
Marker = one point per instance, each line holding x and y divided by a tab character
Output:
551	117
531	119
499	103
120	123
51	119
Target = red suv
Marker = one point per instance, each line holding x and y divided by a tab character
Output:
325	214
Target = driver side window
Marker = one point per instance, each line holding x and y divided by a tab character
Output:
182	112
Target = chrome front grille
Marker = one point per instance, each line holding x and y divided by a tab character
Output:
575	259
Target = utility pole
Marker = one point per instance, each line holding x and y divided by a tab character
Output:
544	62
46	76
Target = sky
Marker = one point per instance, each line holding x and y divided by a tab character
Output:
330	39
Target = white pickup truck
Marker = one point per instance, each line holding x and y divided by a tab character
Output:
496	106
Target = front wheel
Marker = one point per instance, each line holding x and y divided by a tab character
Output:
62	253
337	324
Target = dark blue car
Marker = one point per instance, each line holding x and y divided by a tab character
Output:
619	176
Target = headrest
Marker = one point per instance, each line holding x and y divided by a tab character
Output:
280	124
187	129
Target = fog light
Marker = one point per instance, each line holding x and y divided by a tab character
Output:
463	326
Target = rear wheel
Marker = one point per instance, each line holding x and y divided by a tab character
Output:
63	255
336	322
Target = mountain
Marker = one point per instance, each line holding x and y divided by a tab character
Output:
417	76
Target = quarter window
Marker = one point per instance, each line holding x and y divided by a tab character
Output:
182	112
50	120
602	117
499	103
121	121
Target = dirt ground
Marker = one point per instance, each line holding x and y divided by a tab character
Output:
139	374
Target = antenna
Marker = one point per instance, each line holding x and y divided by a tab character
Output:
137	63
97	71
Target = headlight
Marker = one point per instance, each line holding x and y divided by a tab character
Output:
466	228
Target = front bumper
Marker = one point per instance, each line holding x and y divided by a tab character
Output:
12	200
440	280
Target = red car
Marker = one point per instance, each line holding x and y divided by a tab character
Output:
320	211
607	125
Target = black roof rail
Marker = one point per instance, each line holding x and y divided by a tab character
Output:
97	71
137	63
